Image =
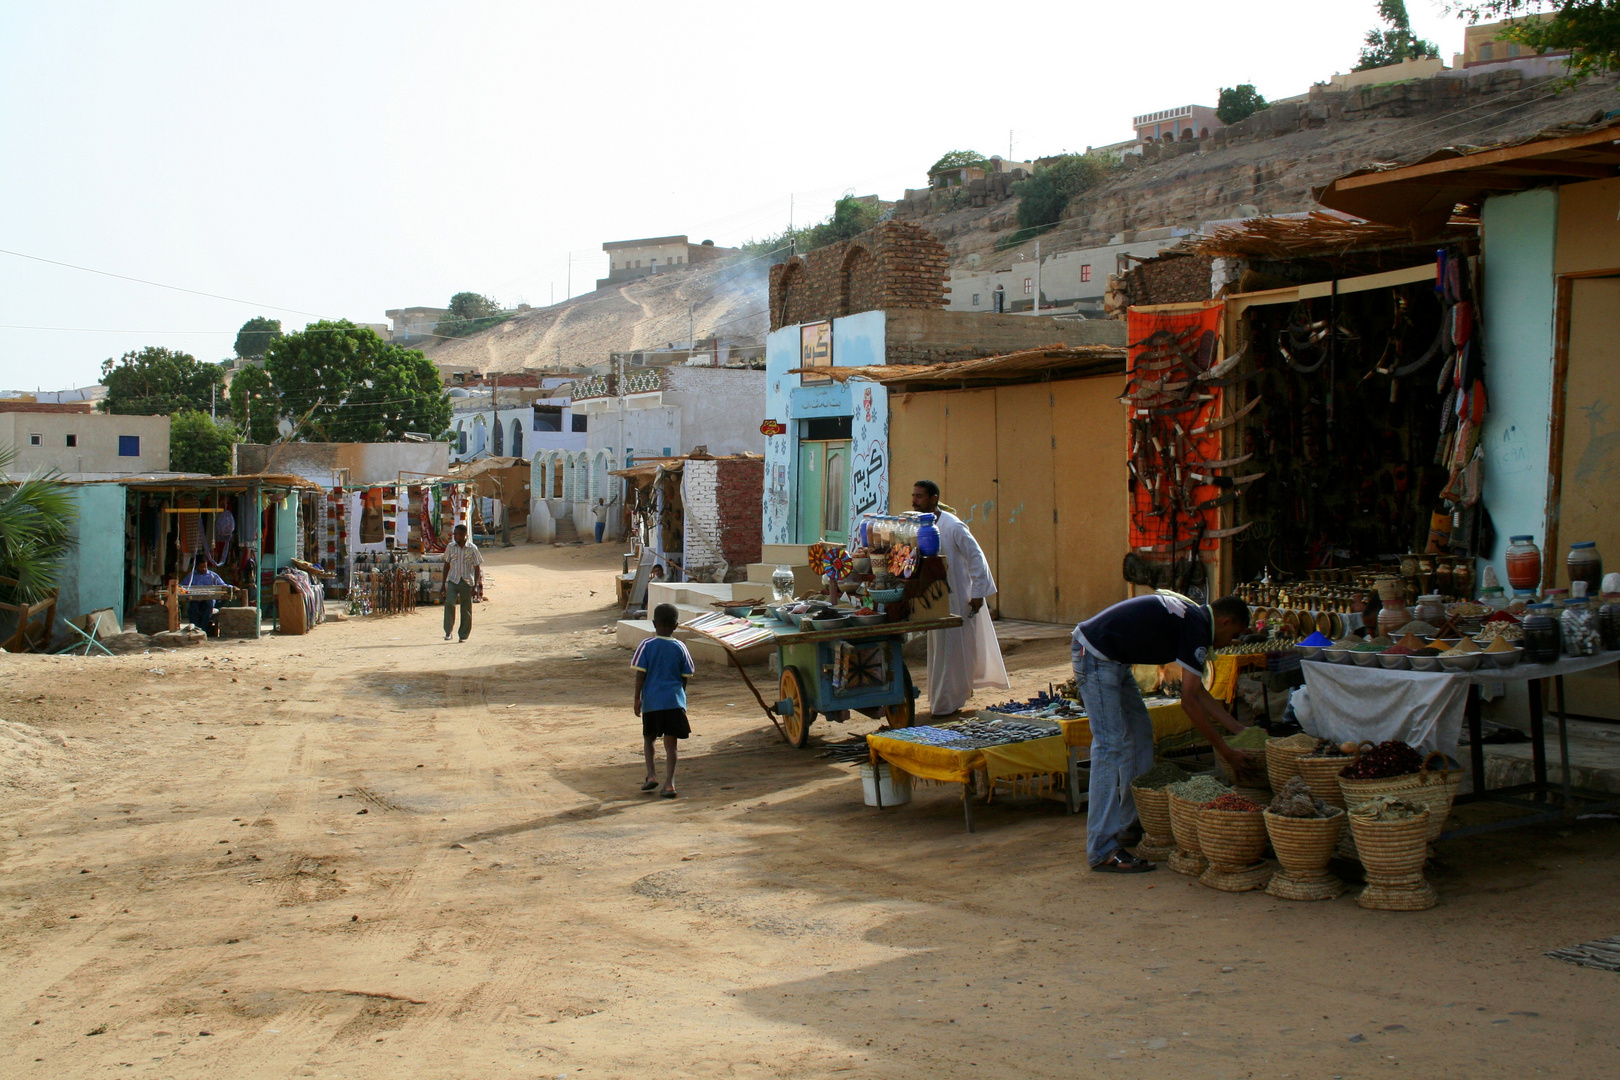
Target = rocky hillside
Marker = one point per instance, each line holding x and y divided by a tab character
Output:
724	299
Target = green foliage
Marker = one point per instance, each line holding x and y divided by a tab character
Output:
456	326
200	444
850	218
1396	42
1043	197
253	398
36	516
959	159
338	382
471	305
157	382
1238	102
1589	28
256	335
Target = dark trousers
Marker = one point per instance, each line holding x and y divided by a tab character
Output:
454	592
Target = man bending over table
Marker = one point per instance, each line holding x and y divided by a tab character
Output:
1163	628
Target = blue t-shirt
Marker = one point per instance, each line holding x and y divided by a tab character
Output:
667	665
1164	628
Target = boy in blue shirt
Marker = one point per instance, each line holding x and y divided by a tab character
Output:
662	667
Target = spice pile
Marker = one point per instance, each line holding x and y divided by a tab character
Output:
1504	628
1420	628
1236	804
1250	738
1462	648
1377	644
1296	801
1388	808
1161	775
1298	741
1200	789
1392	758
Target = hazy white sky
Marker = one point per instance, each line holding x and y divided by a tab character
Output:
336	159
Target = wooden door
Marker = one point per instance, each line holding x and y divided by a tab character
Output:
971	468
1589	486
916	445
1088	446
1025	510
812	477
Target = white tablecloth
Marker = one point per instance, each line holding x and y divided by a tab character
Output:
1424	709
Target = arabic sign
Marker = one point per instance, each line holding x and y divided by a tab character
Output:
815	350
773	427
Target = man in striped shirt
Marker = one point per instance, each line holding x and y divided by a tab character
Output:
463	575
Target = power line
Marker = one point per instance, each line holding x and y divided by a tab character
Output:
157	284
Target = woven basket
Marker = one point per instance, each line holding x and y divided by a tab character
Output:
1416	896
1303	845
1231	839
1184	825
1153	809
1249	878
1322	775
1280	761
1392	852
1252	774
1431	788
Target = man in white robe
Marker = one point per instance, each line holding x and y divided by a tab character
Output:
969	657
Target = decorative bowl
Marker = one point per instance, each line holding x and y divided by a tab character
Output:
886	596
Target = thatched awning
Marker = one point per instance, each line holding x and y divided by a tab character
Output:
1027	365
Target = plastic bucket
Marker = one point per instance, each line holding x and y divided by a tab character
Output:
894	785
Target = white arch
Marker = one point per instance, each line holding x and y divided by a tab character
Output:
599	476
582	477
568	477
480	434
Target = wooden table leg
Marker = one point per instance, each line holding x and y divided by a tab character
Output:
1074	779
1476	749
1538	736
1563	747
967	804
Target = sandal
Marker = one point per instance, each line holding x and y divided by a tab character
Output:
670	794
1122	863
649	785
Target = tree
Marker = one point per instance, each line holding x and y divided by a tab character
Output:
157	382
256	335
1238	102
1590	29
200	444
1043	197
1397	42
338	382
471	305
253	398
850	218
36	518
958	159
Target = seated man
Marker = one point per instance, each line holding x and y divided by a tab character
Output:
201	613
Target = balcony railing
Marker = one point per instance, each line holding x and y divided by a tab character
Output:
645	381
597	386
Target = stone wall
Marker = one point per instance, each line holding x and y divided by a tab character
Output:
1169	279
936	337
893	266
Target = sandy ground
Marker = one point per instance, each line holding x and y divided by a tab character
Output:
366	853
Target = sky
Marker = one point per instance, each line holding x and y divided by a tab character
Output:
333	160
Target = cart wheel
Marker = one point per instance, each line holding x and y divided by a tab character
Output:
796	724
904	714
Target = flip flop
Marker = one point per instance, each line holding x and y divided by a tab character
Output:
649	785
1121	863
667	794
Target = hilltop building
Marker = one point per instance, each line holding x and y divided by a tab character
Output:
632	259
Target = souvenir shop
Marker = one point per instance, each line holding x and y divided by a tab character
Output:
380	546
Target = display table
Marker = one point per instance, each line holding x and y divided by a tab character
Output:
1427	710
1012	761
1222	678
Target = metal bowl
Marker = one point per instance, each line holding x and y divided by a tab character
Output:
739	611
826	624
1504	659
1465	662
1364	659
874	619
887	596
1425	663
1336	656
1310	652
1394	661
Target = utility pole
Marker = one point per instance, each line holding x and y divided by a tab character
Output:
1009	144
213	402
1037	308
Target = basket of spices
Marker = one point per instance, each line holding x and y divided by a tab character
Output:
1185	799
1391	837
1321	767
1394	768
1232	836
1282	755
1153	809
1303	831
1251	773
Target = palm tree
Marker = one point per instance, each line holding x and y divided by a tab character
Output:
36	516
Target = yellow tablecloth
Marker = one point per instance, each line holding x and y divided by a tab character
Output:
1171	729
1037	757
1221	679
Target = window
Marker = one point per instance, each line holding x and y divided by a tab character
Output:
1085	271
1512	50
36	439
461	442
129	446
73	440
548	418
1485	51
578	420
975	299
1029	286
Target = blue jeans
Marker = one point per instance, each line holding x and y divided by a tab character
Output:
601	527
1121	749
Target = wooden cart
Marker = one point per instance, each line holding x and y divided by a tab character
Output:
808	686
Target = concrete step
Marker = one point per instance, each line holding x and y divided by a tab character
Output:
704	593
1594	759
792	554
631	632
566	533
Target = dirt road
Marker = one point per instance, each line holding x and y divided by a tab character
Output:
367	853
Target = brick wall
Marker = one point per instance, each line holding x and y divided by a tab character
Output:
722	497
1169	279
936	337
895	265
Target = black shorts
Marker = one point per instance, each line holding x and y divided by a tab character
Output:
664	722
